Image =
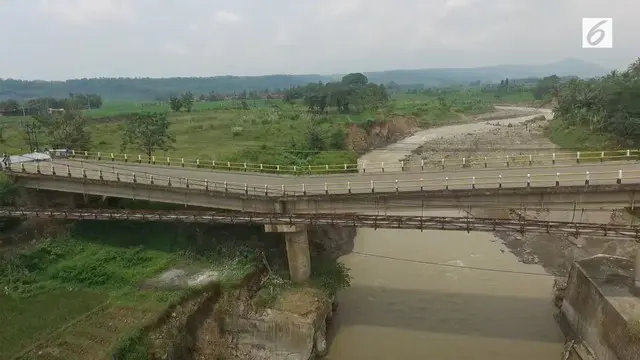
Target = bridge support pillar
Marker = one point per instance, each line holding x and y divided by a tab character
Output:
637	271
298	254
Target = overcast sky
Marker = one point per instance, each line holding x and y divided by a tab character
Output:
60	39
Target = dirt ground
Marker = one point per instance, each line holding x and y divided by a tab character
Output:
554	252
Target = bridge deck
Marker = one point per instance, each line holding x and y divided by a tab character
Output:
278	185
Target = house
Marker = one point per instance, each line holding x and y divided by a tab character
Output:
52	110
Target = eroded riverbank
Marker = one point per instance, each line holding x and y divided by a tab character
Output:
555	253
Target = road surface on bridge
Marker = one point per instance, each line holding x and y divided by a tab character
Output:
276	185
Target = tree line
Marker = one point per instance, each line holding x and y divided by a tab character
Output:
145	132
605	105
147	89
36	106
352	94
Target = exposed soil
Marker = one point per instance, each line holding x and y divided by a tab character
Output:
332	240
555	253
380	133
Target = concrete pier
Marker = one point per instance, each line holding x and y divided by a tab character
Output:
601	309
637	272
298	254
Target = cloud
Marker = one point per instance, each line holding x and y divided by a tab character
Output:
175	49
283	36
340	7
226	17
85	12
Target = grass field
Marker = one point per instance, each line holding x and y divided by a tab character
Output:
26	320
581	138
269	132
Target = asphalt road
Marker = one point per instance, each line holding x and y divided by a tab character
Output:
254	183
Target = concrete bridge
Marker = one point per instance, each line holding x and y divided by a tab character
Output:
557	186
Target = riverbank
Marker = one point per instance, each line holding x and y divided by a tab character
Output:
555	253
131	289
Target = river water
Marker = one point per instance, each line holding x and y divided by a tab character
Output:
426	295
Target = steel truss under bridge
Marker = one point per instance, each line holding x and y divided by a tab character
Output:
367	221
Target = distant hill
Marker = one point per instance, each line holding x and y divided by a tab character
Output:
140	89
489	74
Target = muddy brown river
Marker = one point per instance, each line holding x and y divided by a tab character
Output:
425	295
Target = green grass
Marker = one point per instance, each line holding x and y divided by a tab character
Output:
50	286
26	320
78	296
118	108
269	132
579	138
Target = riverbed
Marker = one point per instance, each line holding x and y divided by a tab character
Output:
442	295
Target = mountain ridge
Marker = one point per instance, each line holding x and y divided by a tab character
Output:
150	88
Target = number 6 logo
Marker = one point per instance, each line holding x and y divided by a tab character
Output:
597	33
595	30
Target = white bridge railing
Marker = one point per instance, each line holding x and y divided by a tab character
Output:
277	187
364	166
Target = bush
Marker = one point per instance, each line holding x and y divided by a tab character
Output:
8	190
329	274
236	131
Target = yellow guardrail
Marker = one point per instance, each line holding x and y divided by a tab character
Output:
408	166
328	188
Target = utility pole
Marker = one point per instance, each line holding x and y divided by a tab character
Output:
35	136
27	130
32	136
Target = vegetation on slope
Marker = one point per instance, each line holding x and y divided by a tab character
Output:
598	113
82	292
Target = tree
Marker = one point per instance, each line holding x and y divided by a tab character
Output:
315	139
83	101
65	130
357	79
175	103
546	87
10	108
187	100
603	105
148	133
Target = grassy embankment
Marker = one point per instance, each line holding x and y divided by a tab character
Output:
91	275
79	295
269	132
581	137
